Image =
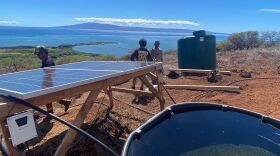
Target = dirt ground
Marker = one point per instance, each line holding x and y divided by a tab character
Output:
261	94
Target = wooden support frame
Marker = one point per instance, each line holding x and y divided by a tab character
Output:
10	107
198	71
203	87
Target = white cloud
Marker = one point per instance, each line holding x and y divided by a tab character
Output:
9	22
270	10
137	21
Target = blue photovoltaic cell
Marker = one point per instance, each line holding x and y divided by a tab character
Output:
23	84
21	88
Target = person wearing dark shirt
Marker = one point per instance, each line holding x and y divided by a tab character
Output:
47	61
141	54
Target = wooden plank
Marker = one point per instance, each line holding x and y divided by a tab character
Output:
198	71
150	86
110	95
202	87
154	91
71	134
132	91
160	89
8	107
152	76
11	149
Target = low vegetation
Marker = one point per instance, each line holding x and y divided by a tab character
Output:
249	40
22	58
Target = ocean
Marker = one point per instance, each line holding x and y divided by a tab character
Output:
125	42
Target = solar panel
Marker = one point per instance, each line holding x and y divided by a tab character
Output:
105	65
32	83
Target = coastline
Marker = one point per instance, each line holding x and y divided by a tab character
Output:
62	45
20	58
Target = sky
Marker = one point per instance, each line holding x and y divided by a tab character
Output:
225	16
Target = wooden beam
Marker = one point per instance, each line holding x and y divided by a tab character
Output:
202	87
160	89
153	90
110	95
152	76
71	134
150	86
198	71
9	107
11	149
132	91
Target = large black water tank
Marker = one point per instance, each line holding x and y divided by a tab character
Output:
205	129
197	51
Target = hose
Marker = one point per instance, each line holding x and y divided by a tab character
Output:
169	94
70	125
150	113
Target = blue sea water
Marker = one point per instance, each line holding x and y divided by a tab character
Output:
125	42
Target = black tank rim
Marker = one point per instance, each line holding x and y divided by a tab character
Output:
189	107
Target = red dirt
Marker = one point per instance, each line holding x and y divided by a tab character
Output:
259	95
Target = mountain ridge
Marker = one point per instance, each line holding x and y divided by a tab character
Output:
99	26
111	27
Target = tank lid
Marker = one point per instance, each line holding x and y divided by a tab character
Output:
199	33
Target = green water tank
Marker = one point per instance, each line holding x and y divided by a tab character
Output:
197	51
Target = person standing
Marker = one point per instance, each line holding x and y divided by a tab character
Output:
156	52
141	54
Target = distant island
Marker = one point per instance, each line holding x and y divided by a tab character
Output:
99	26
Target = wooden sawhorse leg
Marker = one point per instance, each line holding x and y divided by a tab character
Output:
78	121
110	95
11	149
157	93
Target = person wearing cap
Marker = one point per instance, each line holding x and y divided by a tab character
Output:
156	52
43	54
141	54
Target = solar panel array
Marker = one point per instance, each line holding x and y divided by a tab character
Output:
32	83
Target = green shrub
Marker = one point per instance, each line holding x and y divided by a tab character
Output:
239	41
223	46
